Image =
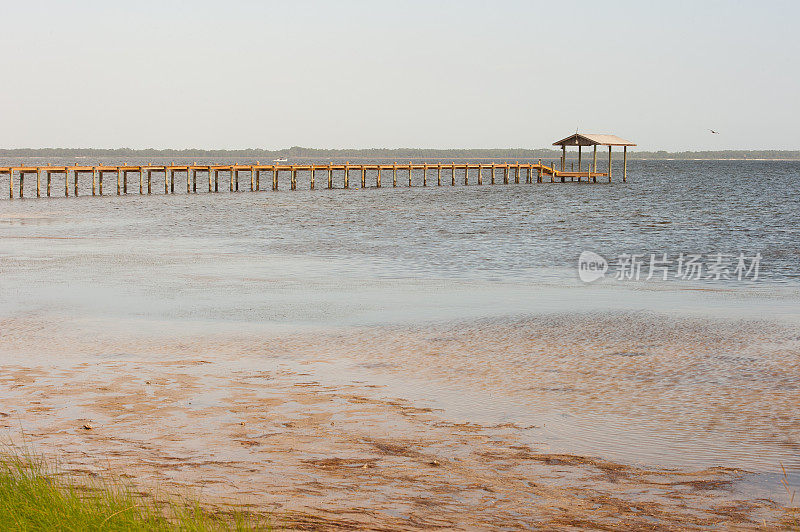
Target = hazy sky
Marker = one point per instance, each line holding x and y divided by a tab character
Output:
238	74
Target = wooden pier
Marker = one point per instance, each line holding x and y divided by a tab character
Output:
147	179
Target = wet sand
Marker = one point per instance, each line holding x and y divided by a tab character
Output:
590	421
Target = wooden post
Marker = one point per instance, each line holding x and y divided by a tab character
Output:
330	175
94	180
149	181
493	166
624	164
505	174
579	158
166	180
48	183
425	175
480	174
466	174
216	180
347	174
21	180
394	174
38	183
379	176
453	175
409	172
275	177
594	164
141	182
563	156
294	179
363	177
11	183
312	177
210	188
75	184
124	182
609	164
252	180
258	174
439	175
539	172
66	183
188	180
516	174
100	183
119	181
194	180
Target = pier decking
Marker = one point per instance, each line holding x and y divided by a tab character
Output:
150	176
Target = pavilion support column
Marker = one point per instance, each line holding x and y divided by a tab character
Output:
594	163
609	164
580	168
624	164
563	156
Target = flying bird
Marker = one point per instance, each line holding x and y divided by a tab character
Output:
714	132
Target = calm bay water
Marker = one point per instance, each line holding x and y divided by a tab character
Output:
331	259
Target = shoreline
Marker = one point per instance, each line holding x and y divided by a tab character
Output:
248	420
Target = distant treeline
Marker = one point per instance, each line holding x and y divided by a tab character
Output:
399	154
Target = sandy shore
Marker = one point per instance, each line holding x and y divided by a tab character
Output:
472	425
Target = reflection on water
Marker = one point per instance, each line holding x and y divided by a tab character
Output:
655	373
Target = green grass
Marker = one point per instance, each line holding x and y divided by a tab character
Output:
34	497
